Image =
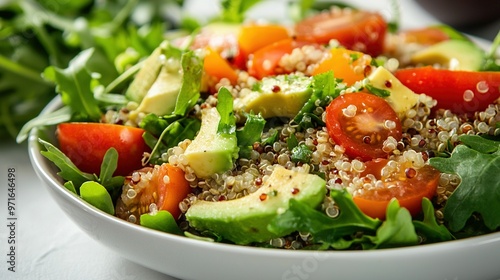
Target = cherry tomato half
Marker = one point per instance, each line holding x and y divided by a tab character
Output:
459	91
409	186
264	62
165	185
356	30
86	143
361	122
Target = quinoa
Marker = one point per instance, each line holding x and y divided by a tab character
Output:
427	132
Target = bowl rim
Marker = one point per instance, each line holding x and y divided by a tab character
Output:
45	172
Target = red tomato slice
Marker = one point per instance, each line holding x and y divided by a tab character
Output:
363	131
356	30
264	62
165	186
86	143
459	91
173	190
407	187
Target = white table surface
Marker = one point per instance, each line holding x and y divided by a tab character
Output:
50	246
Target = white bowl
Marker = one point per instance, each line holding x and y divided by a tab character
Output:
185	258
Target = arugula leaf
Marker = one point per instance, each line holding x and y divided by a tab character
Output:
70	187
301	153
429	228
192	67
300	216
292	141
76	178
480	143
250	134
37	34
73	83
163	133
479	190
377	91
162	221
227	123
97	195
397	230
68	170
325	89
108	166
52	118
273	137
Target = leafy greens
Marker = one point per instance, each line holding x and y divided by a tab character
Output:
479	190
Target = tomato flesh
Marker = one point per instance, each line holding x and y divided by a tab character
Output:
356	30
86	143
362	133
458	91
264	62
408	190
164	186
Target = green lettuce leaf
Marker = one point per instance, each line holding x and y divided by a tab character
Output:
397	230
479	191
250	133
74	85
324	229
429	229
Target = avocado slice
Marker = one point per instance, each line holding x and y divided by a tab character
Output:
401	98
211	152
146	76
280	96
157	84
454	54
245	220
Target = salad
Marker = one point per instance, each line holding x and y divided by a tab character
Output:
337	132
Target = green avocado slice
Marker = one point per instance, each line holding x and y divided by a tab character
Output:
245	220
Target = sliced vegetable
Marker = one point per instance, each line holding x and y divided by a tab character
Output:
350	66
265	61
458	91
256	36
361	122
354	29
408	185
86	143
451	54
163	188
216	66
